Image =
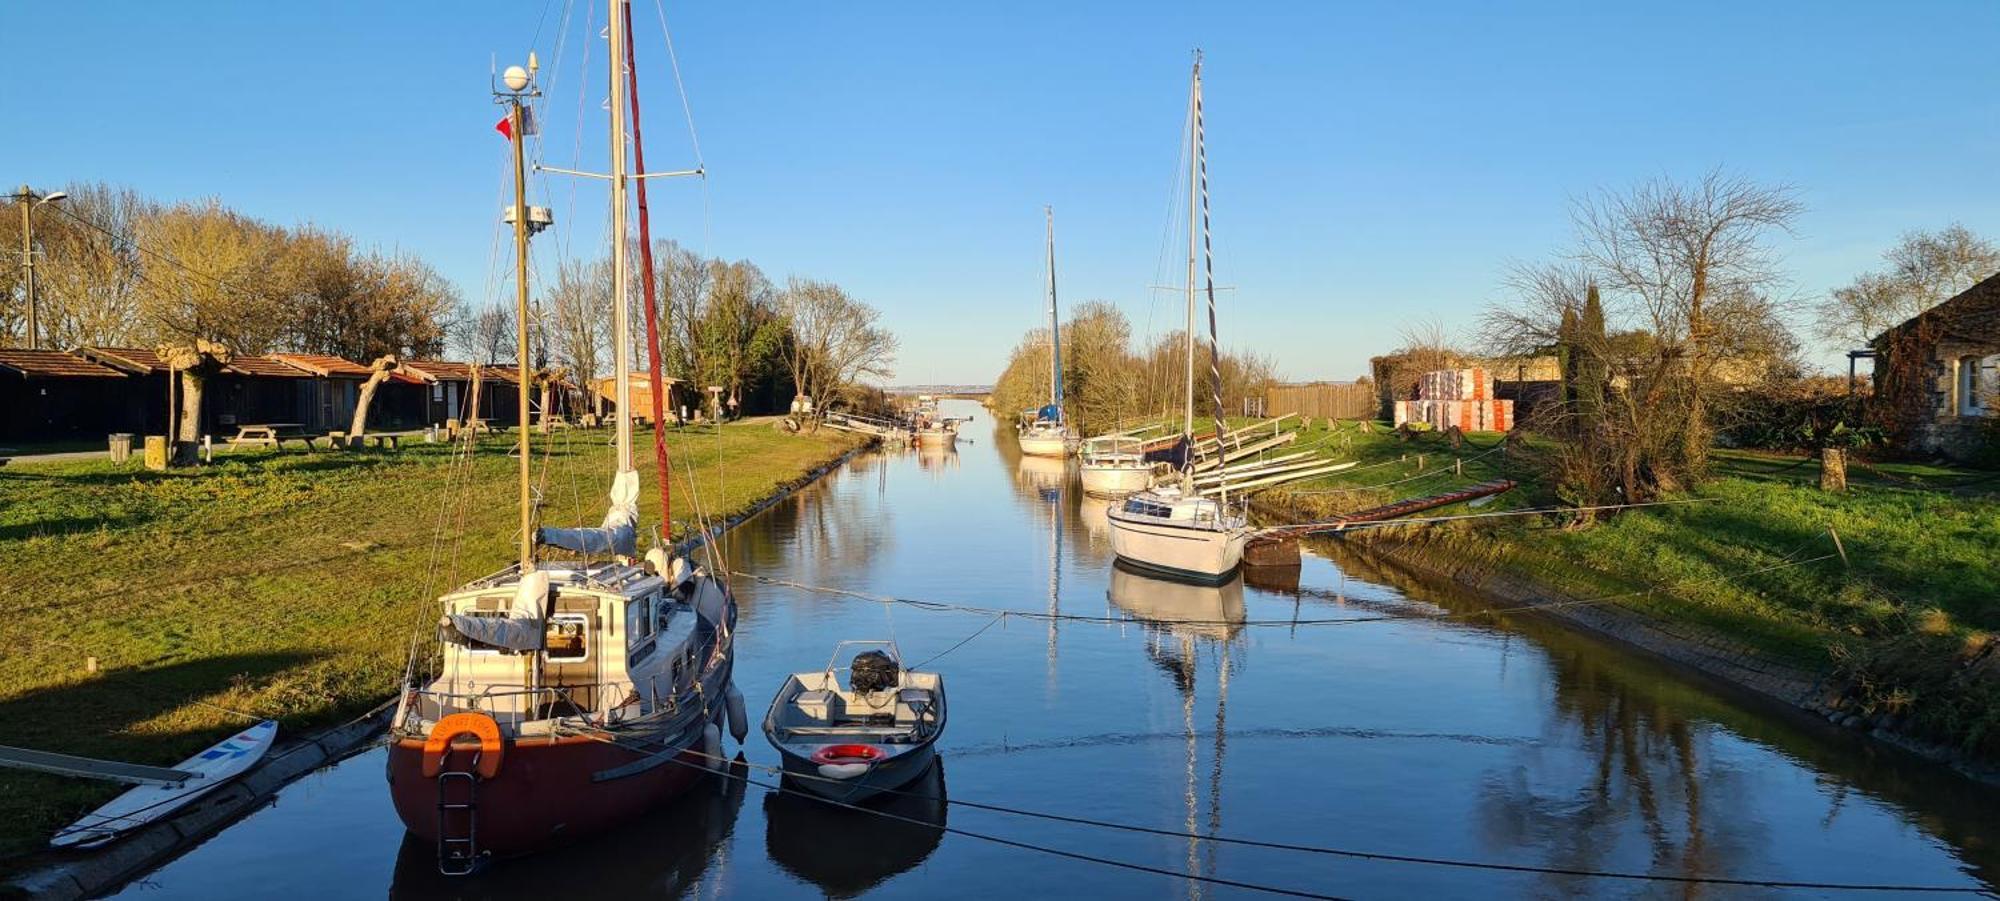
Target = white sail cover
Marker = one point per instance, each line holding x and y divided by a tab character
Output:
620	531
520	630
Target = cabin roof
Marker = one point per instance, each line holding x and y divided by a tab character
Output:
440	370
324	365
46	364
266	367
135	360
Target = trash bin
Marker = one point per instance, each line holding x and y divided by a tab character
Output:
121	447
156	452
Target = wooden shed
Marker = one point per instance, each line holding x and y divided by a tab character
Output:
50	396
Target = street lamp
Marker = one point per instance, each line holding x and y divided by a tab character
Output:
28	200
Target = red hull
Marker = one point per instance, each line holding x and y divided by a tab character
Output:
543	794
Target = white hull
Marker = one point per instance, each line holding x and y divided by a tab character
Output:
1115	480
1047	445
1205	552
937	438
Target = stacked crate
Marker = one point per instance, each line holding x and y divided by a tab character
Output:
1457	397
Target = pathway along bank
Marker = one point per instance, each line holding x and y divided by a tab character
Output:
100	872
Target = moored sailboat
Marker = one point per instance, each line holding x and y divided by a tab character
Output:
569	694
1177	530
1047	432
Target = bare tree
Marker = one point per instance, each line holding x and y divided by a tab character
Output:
836	341
1694	261
580	319
87	277
220	284
1925	269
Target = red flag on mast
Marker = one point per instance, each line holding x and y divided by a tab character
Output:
505	127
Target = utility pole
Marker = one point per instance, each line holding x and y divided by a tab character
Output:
28	200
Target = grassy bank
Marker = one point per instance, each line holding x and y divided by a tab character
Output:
1903	616
285	585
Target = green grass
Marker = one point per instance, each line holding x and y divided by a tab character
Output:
278	584
1916	596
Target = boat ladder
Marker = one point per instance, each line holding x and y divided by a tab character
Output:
458	821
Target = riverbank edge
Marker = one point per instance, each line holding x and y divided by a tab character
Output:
1701	653
105	871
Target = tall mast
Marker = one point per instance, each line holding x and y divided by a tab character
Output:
1208	279
621	318
656	384
516	129
1194	198
1055	323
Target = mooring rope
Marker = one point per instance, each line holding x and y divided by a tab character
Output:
1422	860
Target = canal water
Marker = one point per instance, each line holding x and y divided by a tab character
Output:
1249	711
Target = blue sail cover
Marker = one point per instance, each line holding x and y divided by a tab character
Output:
1176	456
1049	413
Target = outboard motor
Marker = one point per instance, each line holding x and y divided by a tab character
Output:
872	671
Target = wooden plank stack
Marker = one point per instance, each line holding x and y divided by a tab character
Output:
1457	397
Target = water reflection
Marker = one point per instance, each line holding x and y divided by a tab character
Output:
847	852
664	853
1183	621
1095	513
937	460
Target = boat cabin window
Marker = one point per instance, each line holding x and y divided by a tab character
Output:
1140	507
567	637
638	620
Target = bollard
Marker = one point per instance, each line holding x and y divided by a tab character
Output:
156	453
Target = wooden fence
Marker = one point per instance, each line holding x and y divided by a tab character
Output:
1320	400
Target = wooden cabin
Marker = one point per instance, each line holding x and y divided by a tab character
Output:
327	401
50	396
605	394
145	397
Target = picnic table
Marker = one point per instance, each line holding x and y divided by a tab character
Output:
272	434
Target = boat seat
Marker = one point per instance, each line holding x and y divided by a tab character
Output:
913	704
820	704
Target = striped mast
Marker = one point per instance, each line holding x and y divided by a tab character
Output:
1055	325
1187	421
1208	277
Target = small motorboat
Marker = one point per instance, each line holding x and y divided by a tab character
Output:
851	744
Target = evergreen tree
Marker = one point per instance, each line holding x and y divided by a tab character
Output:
1587	358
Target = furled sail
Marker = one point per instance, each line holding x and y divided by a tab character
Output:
521	629
618	534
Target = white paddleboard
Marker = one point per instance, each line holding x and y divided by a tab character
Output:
223	761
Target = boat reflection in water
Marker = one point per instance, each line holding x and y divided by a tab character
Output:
846	852
937	458
1043	475
660	853
1182	621
1096	515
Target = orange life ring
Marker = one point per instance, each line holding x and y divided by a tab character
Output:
847	754
447	730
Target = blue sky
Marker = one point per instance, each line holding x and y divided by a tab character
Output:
1370	163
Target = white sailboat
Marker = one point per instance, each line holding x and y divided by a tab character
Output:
1114	466
1176	530
569	694
1048	433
